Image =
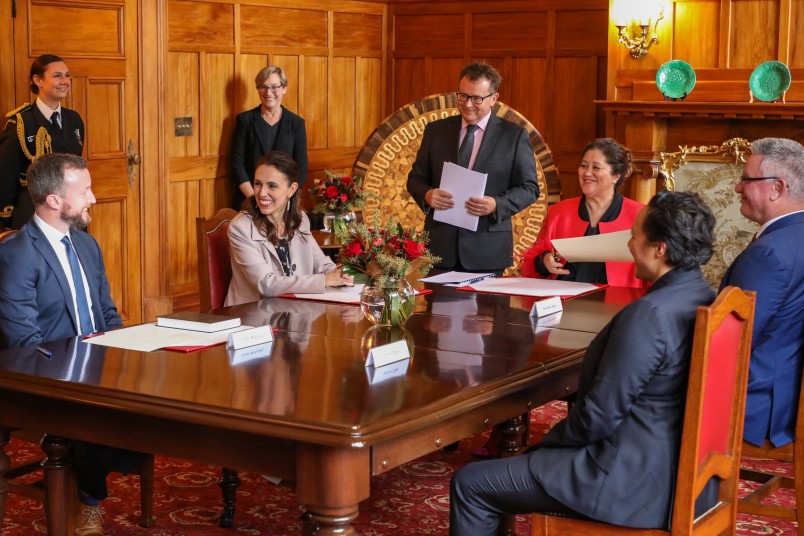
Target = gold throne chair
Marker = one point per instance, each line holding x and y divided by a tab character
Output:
712	171
388	155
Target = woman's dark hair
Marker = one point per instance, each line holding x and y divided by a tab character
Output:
684	222
283	163
38	68
617	156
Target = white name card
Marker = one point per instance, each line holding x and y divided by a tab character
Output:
546	307
378	374
244	355
250	337
388	353
540	324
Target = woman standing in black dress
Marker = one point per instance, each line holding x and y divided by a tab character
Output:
268	127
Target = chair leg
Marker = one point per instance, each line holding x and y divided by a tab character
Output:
229	483
5	464
798	479
512	431
146	472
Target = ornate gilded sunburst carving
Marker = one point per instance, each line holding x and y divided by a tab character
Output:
389	153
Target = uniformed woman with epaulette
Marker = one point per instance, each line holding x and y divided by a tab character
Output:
34	129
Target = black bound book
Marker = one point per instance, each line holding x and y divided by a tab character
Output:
197	321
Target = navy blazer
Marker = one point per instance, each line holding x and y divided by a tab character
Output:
248	147
36	304
14	164
506	155
615	457
773	266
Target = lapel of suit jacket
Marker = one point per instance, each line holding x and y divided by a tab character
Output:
39	241
84	249
258	237
258	132
43	121
70	137
281	132
489	139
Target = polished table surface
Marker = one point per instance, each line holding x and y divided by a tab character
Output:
310	410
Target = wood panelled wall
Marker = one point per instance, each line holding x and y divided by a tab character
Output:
550	53
334	55
723	40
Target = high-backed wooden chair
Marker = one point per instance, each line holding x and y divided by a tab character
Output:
7	233
214	260
214	276
791	453
713	426
388	155
712	171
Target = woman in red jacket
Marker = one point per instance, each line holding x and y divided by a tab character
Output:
601	209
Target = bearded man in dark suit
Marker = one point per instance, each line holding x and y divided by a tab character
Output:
53	286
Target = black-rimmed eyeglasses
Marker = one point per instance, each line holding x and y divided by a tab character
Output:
265	89
752	179
477	100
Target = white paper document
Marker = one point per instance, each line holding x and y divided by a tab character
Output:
150	337
462	183
527	286
456	278
607	247
332	294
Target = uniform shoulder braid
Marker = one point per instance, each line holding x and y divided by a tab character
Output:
34	140
18	110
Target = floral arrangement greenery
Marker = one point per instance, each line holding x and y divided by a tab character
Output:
384	253
338	193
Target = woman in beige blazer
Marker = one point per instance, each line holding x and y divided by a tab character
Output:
271	246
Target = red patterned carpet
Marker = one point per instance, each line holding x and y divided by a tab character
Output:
412	500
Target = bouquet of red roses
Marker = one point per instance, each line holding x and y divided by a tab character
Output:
384	253
338	193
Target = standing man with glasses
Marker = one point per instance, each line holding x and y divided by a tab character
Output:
479	140
268	127
53	286
772	194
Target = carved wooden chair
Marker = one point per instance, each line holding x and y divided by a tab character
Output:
388	155
214	276
214	260
7	233
712	171
713	426
792	453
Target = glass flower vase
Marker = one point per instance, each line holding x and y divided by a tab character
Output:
390	304
339	221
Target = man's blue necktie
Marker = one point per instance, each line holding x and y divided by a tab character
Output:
84	317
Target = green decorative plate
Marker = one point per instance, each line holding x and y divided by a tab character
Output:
769	81
675	79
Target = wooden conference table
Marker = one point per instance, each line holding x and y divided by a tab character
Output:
309	410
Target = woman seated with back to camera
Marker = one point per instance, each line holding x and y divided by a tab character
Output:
614	457
271	246
600	209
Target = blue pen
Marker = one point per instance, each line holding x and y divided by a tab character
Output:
476	279
44	351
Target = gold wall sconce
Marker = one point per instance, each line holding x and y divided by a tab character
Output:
636	22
